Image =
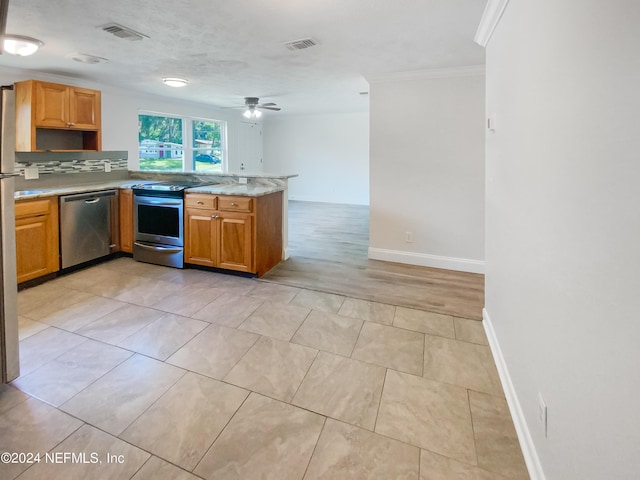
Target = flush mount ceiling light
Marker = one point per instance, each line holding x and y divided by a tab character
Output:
175	81
20	45
86	58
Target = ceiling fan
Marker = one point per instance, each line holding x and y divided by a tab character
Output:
253	107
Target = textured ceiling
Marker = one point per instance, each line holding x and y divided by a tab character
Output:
229	49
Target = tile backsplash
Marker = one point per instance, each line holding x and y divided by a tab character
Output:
70	162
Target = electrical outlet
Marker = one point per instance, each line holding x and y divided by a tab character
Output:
107	166
242	180
491	123
408	237
542	413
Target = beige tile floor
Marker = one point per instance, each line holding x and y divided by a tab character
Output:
184	374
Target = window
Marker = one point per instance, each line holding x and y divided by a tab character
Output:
172	143
207	145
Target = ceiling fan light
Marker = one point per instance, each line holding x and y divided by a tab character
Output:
251	112
175	81
22	46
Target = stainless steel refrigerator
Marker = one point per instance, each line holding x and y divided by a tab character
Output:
9	357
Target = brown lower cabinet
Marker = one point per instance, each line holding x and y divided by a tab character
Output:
125	198
230	232
234	233
36	238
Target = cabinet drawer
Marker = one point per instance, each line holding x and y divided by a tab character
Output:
235	204
200	201
33	207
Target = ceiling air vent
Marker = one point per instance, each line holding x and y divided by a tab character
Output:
301	44
123	32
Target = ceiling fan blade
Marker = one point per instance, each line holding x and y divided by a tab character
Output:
262	107
270	104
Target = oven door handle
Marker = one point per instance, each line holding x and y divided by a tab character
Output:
159	203
158	248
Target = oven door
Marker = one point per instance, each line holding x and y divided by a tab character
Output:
158	220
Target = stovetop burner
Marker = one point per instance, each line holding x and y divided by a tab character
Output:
162	189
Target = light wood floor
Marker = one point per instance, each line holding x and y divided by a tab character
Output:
328	252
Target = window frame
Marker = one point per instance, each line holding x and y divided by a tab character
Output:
188	155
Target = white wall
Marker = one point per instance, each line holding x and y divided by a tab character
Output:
563	229
329	152
120	113
427	170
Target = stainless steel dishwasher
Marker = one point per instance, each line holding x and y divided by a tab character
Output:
85	226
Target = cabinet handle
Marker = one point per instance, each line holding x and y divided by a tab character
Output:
70	124
233	204
199	203
215	217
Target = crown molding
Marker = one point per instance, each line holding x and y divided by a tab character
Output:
469	71
492	13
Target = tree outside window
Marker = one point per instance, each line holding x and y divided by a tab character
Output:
162	144
207	146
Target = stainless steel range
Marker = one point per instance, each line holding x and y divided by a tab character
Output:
158	218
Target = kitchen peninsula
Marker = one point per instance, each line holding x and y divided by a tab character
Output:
250	229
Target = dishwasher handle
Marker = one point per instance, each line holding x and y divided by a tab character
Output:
95	200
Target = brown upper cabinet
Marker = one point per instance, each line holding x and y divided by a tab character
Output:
56	117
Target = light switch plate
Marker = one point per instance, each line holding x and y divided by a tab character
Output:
242	180
107	166
31	173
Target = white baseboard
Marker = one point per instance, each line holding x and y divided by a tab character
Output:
522	430
304	198
427	260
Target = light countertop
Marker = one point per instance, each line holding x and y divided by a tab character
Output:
237	189
242	173
69	190
216	189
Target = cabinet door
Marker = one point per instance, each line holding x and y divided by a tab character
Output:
31	253
84	109
235	242
200	237
37	238
52	105
126	220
